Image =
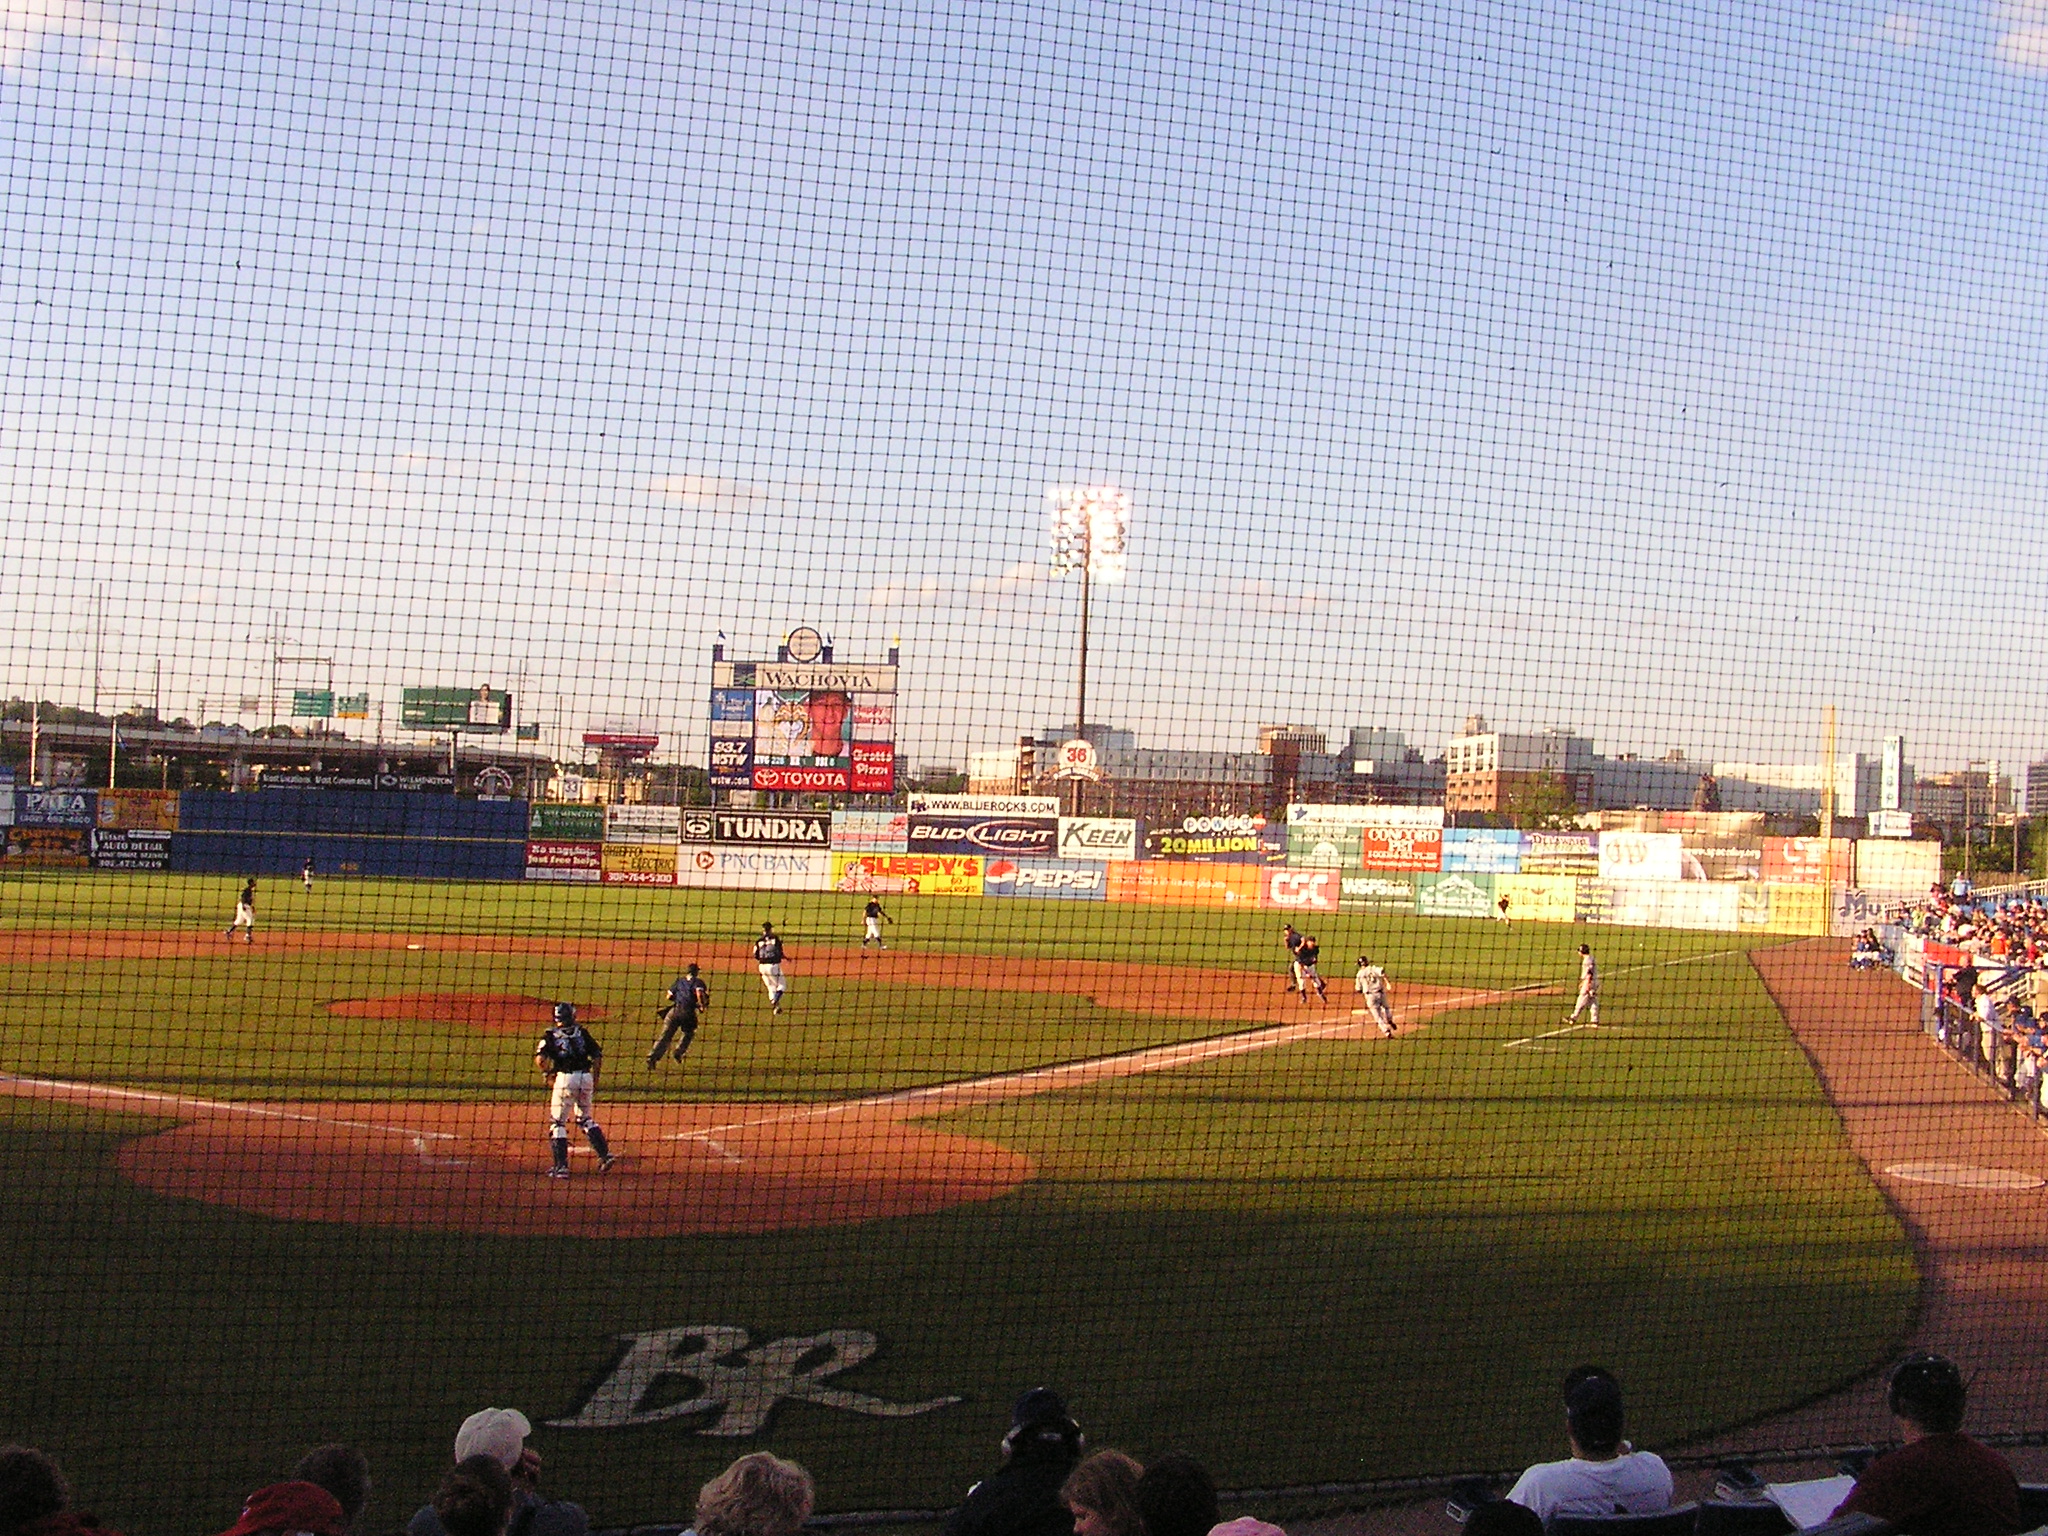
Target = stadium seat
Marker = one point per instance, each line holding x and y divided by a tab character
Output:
2033	1504
1675	1521
1719	1517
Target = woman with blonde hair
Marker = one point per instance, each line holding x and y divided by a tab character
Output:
1102	1495
758	1495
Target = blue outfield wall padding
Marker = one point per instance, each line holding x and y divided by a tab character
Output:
281	854
357	812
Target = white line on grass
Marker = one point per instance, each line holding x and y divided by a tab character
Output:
1627	970
220	1106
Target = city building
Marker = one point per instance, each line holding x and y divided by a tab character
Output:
2037	790
1793	789
1484	769
1976	796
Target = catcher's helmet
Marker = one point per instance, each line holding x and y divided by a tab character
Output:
565	1013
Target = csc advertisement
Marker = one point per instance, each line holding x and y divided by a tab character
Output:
1301	890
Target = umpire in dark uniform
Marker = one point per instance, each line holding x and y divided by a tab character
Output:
688	997
1022	1498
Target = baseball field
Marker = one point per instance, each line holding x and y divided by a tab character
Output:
265	1196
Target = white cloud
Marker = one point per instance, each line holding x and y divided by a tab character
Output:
27	25
1024	576
928	593
1903	29
2023	36
713	493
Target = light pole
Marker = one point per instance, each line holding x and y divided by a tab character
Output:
1090	528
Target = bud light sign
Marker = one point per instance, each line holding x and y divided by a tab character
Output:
1058	879
1016	837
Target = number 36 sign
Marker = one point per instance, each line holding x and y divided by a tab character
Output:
1077	760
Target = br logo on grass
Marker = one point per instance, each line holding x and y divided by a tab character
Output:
737	1385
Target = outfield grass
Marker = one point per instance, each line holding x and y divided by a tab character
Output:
1330	1260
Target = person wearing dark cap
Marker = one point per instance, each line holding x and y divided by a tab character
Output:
1022	1497
1940	1482
1605	1475
36	1501
289	1509
1177	1497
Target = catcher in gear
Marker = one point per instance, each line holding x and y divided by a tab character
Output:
568	1057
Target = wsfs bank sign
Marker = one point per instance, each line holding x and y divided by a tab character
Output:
738	1384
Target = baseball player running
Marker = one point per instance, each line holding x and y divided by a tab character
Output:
245	914
872	917
688	997
1371	984
768	956
568	1057
1292	940
1307	960
1589	989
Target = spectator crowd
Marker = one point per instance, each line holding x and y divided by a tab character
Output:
1047	1482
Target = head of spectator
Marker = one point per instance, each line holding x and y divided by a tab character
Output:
1177	1497
500	1433
1245	1525
1102	1495
475	1498
31	1489
344	1472
758	1495
1042	1430
1926	1396
1592	1413
1503	1517
290	1509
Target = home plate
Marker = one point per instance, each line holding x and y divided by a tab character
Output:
1966	1176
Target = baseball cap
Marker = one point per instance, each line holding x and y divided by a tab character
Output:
298	1507
499	1433
1041	1405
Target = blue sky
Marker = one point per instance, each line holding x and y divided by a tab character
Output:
1661	370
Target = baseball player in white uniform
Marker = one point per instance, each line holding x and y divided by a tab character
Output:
1371	984
568	1057
872	917
1589	989
245	914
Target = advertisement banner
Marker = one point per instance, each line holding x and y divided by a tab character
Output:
1538	898
143	849
907	874
575	863
643	824
985	805
870	832
1377	893
698	824
6	804
1185	883
1796	909
776	829
1301	890
1674	903
754	869
639	864
1891	868
1323	845
1056	879
732	762
1016	837
1098	837
1223	839
808	781
1716	855
565	823
1807	861
48	847
731	706
1596	901
800	739
1365	815
139	810
1482	851
1408	850
1561	853
874	717
1454	895
1636	856
874	768
76	808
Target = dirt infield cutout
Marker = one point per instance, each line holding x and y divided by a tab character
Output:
490	1013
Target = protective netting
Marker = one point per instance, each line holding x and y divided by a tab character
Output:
958	524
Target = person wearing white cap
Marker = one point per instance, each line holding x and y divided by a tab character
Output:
500	1433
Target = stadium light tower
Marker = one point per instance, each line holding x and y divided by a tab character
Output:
1090	527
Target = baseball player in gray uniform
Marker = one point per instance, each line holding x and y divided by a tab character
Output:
1589	989
568	1057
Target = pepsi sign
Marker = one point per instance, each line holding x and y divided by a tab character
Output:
1016	837
1056	879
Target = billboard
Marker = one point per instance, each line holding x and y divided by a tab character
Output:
1098	837
571	863
986	805
139	810
1897	869
643	824
870	832
1539	898
482	708
755	869
637	863
1711	855
1324	845
573	823
140	849
1300	890
803	726
1377	893
907	874
1405	849
1016	837
1807	861
1223	839
1185	883
1560	853
1482	851
76	808
1640	856
773	829
1454	895
1054	879
49	847
1305	814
